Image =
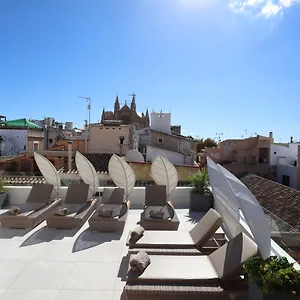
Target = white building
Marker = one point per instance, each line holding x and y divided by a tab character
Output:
163	139
283	162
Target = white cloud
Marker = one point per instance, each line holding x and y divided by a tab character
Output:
261	8
270	9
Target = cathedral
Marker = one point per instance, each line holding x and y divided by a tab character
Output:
126	114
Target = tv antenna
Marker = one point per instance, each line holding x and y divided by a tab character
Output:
88	100
218	136
133	94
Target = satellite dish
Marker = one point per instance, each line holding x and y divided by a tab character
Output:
134	156
185	148
157	154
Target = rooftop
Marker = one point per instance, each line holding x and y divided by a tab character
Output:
56	264
281	200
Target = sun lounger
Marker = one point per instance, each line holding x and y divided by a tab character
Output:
31	213
78	209
217	275
156	203
197	241
116	212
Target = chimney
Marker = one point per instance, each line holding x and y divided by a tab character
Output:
292	140
271	135
121	144
298	168
69	155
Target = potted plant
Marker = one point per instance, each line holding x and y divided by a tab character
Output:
201	198
3	194
273	278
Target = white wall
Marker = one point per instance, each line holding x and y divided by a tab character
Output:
180	197
288	171
277	151
174	157
161	122
16	138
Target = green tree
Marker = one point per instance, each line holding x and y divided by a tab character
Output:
202	143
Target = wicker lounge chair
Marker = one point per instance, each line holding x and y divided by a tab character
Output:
112	199
200	240
37	206
156	200
216	276
78	208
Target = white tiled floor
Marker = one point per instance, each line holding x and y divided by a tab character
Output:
67	264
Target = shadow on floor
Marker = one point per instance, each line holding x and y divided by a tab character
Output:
88	239
9	233
194	217
122	273
46	234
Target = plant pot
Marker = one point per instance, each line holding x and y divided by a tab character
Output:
255	293
3	198
201	203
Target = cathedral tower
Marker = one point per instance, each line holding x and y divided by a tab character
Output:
117	108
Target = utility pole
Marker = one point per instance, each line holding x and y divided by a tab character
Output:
88	100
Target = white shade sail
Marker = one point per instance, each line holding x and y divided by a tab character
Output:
87	172
224	200
122	174
164	173
252	212
48	171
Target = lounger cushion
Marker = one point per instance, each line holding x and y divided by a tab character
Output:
167	215
156	238
40	193
113	196
204	229
115	208
228	259
175	269
77	193
155	195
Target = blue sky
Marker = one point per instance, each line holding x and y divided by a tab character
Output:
218	65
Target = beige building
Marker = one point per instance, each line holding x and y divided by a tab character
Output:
250	150
111	137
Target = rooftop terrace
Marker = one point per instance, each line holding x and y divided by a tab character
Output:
50	264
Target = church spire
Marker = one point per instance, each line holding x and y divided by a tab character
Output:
103	113
117	104
133	105
147	119
117	108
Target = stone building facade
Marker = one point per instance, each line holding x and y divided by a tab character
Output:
126	114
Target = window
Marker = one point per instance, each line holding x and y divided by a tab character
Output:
35	146
286	180
178	146
50	141
160	140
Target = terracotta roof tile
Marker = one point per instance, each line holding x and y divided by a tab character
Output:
98	160
279	199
